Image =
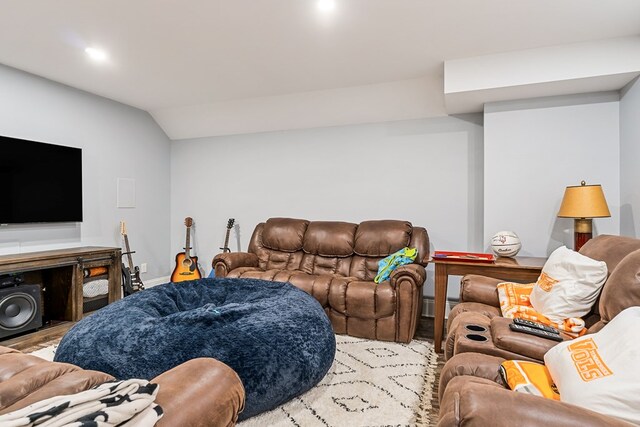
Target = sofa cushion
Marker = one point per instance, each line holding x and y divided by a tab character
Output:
316	264
382	238
284	234
330	238
622	290
362	299
610	249
364	268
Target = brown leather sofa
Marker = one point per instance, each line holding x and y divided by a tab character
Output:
478	313
472	393
200	392
336	263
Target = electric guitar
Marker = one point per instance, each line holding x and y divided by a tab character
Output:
226	239
131	281
186	265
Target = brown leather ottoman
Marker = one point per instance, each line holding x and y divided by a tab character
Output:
200	392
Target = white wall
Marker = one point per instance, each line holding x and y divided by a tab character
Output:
533	150
116	141
630	160
427	171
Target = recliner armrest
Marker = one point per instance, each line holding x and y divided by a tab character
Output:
470	401
199	392
482	289
474	365
415	272
520	343
225	262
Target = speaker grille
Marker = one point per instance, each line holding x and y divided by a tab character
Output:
17	310
20	310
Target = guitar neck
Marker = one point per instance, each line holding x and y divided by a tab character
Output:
128	251
226	239
187	244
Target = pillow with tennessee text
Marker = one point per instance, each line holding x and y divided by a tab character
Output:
600	371
568	285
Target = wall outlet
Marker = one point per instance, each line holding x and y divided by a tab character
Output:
143	267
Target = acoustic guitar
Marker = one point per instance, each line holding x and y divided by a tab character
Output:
226	239
131	282
186	265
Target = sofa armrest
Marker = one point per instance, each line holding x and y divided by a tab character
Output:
225	262
475	288
469	402
407	282
476	365
414	272
200	392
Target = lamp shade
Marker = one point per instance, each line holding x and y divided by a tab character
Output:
584	201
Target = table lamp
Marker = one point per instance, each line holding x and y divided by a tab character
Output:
583	202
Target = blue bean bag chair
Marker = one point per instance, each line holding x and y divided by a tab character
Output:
274	335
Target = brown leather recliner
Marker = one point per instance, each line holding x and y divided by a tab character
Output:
336	263
200	392
472	393
476	323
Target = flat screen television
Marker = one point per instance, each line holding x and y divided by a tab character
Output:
39	182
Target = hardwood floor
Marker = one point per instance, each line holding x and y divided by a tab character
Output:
425	328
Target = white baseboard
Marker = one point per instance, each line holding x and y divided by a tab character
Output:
429	307
157	281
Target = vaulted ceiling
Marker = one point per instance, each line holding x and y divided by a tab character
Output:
164	55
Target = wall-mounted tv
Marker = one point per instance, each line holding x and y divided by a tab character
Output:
39	182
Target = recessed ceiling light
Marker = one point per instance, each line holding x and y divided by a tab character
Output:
96	54
326	5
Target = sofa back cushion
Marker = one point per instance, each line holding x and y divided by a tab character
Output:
330	239
382	238
611	250
273	259
623	287
333	247
284	234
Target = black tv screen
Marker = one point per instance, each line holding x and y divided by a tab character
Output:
40	182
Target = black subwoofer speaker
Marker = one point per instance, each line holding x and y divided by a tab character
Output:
19	309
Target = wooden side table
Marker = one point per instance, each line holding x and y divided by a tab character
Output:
518	269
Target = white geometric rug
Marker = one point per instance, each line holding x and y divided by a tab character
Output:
46	353
371	383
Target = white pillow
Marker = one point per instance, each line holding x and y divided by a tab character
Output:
600	371
568	285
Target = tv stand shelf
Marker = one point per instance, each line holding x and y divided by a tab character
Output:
60	274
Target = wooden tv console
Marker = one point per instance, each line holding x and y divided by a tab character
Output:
61	276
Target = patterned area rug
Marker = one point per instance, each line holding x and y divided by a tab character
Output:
371	383
46	353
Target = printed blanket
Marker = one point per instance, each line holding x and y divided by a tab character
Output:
127	403
515	302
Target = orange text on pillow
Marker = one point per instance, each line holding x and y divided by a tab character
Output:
588	362
546	282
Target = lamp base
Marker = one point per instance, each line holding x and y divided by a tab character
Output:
583	232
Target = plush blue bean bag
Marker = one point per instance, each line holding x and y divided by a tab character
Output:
274	335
